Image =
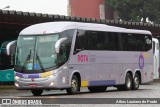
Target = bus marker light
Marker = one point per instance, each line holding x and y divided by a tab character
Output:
65	67
63	80
55	71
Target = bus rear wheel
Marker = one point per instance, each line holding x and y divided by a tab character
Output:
97	89
127	85
136	82
75	86
36	92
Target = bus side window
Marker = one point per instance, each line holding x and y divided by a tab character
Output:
108	43
111	41
93	40
148	42
81	41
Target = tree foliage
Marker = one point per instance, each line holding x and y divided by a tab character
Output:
136	10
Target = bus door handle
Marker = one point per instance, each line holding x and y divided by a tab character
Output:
70	67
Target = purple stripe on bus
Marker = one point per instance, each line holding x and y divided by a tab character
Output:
102	82
18	74
33	76
27	75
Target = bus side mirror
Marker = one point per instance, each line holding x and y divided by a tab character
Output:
58	43
11	47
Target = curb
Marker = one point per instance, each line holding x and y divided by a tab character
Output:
156	80
9	87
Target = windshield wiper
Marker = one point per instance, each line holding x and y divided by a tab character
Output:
40	62
27	58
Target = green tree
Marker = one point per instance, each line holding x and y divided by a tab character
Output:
136	10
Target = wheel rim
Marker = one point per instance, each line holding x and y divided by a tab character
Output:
74	85
128	82
136	81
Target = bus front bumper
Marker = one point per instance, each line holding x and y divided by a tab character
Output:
37	83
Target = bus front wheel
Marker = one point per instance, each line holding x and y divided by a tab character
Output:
37	92
75	86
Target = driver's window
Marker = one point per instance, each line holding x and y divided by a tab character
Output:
62	54
65	47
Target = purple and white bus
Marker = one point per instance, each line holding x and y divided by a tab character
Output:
70	55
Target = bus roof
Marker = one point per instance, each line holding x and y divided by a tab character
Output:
60	26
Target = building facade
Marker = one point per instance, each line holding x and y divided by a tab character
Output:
90	9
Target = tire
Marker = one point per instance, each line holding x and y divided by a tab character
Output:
136	82
75	86
36	92
128	82
97	89
127	85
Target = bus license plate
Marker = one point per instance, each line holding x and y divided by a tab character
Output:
33	85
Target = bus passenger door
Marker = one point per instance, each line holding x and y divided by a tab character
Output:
155	58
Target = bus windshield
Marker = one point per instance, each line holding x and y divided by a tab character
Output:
36	52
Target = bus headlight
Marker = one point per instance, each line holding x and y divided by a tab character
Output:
51	84
16	78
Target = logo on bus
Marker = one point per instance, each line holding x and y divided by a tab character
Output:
82	58
32	79
141	61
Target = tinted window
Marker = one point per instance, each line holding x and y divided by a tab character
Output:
136	42
98	40
81	41
148	42
102	41
92	40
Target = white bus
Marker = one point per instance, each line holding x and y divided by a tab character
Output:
155	57
70	55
